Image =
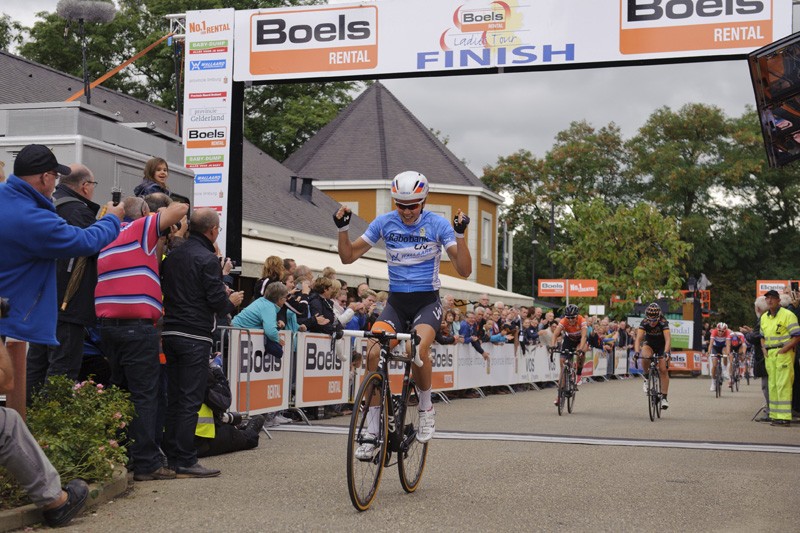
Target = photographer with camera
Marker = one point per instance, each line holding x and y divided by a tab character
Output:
22	456
75	281
218	429
128	304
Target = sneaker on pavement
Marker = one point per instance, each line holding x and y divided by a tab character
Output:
712	388
555	402
156	475
77	491
644	386
664	404
280	419
196	470
367	450
427	425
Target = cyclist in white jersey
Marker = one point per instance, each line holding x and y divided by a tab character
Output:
414	239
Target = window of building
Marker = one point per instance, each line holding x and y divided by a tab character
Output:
487	238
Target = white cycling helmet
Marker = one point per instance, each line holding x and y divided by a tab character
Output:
722	326
409	186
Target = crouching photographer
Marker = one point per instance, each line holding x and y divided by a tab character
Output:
218	430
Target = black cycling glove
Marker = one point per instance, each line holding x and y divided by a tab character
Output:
460	227
343	223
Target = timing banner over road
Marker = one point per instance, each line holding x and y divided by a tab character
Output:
416	37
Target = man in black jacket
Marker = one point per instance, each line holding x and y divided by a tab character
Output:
193	294
73	200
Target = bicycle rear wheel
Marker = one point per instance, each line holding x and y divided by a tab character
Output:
364	476
651	391
747	372
412	454
573	391
562	388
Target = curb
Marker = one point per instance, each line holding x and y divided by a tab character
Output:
99	493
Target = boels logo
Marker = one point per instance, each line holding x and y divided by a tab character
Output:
662	26
207	137
325	39
492	18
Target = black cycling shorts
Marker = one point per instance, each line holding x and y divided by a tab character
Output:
405	310
568	346
657	344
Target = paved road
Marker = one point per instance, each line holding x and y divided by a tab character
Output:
509	462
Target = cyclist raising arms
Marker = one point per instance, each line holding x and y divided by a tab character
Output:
414	239
719	345
653	337
573	327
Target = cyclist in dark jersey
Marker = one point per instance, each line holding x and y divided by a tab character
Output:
652	337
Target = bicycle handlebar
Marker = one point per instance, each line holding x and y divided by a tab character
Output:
379	335
386	335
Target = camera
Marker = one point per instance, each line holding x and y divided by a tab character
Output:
231	417
5	307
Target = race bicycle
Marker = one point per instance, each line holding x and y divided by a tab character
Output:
653	380
736	375
748	365
567	385
364	473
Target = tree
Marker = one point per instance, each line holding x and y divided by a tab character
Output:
11	32
633	252
586	162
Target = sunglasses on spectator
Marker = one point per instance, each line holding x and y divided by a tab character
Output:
410	207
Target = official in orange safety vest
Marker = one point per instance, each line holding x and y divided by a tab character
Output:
780	335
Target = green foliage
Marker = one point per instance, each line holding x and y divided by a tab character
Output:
633	252
11	32
79	426
11	494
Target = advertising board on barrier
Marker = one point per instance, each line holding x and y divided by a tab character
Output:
322	378
422	36
259	382
764	285
443	376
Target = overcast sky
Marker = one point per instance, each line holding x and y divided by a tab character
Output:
491	116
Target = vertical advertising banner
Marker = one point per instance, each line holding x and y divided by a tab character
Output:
208	81
444	368
259	382
322	378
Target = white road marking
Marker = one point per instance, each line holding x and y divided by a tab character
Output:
565	439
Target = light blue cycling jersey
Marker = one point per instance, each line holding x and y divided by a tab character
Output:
413	252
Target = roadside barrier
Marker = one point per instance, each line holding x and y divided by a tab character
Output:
312	373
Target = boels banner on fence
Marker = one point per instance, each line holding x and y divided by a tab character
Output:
416	37
780	285
322	376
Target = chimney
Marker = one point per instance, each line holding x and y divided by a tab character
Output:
306	189
293	185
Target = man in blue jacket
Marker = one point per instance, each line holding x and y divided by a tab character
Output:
32	236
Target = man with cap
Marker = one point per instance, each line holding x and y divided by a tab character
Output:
780	334
32	235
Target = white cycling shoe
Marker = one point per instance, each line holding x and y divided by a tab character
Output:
366	452
427	425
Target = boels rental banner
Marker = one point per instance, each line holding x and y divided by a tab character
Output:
259	382
322	379
416	37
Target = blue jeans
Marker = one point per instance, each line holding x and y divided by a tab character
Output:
187	376
133	351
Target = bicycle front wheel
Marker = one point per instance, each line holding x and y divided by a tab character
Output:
573	391
412	454
747	372
718	384
651	392
364	474
562	390
657	393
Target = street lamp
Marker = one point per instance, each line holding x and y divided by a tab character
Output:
86	11
534	242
